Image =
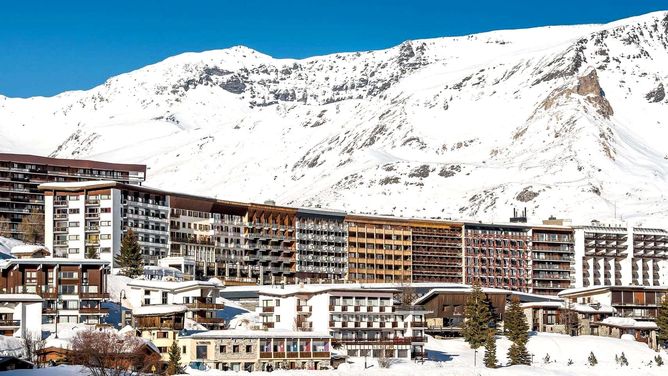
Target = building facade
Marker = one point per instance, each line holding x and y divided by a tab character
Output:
363	321
620	256
250	351
90	219
200	298
72	290
21	174
322	238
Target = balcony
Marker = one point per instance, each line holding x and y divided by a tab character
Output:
92	215
268	309
97	310
92	229
205	306
92	202
209	320
10	323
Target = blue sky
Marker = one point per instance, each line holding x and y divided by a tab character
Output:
47	47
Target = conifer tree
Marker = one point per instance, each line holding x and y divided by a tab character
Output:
592	359
490	349
477	318
662	321
130	258
517	331
659	360
174	364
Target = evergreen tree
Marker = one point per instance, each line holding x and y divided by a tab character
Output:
592	359
623	361
130	258
477	318
91	253
490	349
174	364
662	321
659	360
517	331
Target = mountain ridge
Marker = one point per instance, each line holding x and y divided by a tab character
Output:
458	127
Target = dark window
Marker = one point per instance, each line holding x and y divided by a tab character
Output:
249	348
223	349
201	352
235	348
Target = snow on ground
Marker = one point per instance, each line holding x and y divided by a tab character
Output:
50	371
453	357
6	244
10	346
116	284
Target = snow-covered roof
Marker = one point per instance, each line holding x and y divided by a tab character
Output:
172	285
458	289
51	261
29	249
317	289
603	288
627	322
20	298
277	333
589	308
550	304
159	309
78	184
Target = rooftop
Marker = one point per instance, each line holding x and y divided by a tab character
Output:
257	334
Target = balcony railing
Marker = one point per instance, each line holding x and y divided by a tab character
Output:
205	306
10	323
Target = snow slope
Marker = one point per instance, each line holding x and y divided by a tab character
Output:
569	121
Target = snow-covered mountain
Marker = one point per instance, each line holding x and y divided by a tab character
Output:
566	121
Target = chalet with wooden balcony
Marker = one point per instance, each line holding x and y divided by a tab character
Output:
200	299
160	324
72	290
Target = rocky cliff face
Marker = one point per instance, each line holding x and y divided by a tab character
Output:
568	121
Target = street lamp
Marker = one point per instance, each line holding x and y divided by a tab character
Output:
58	301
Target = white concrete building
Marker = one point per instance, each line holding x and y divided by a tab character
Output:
201	298
620	256
20	314
364	321
89	219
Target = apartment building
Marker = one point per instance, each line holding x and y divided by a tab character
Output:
552	259
21	174
20	314
72	290
201	299
207	233
251	351
379	249
437	251
321	244
89	219
498	256
363	321
270	232
620	256
617	310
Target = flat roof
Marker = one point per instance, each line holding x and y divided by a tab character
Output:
20	298
172	285
158	309
76	163
319	289
276	333
51	261
602	288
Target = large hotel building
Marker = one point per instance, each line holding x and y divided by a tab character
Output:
248	243
21	174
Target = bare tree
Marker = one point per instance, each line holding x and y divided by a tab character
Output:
105	353
5	227
385	361
32	227
32	343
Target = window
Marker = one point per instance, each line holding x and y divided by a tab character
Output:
163	335
162	350
68	275
105	210
105	236
235	348
278	318
105	197
200	351
105	250
31	278
73	224
183	350
249	348
73	198
105	223
72	237
223	349
67	289
164	297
